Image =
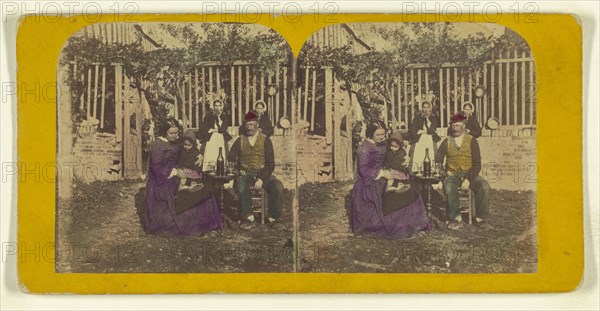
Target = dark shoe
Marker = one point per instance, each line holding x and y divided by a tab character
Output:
455	224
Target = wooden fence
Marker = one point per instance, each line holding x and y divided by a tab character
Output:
508	92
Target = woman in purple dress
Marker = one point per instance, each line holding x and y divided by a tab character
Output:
368	215
162	216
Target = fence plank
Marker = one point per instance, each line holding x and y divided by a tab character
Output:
190	101
328	103
285	92
218	80
532	93
203	105
484	101
500	93
96	73
270	100
306	73
412	94
493	93
523	86
240	101
118	102
392	103
441	105
254	95
211	86
89	92
405	99
398	98
462	90
448	95
277	96
478	100
232	94
103	96
247	89
196	102
313	99
507	86
419	83
455	97
514	91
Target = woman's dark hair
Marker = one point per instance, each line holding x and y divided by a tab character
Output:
166	125
373	126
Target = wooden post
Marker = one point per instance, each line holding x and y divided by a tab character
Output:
515	90
210	85
89	92
507	86
103	97
328	105
420	91
305	110
448	96
313	100
95	111
203	104
493	90
398	97
500	94
190	99
523	91
412	94
198	104
285	92
484	104
232	101
462	90
406	102
532	101
277	101
455	91
118	102
218	79
240	101
254	97
441	106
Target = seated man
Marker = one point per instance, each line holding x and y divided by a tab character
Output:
264	124
253	153
463	164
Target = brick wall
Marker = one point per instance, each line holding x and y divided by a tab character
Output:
96	155
508	157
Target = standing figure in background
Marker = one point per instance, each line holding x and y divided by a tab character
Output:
264	124
472	126
214	135
422	132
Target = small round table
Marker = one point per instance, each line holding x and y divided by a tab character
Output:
219	182
427	181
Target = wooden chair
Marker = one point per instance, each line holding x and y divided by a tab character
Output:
467	203
259	204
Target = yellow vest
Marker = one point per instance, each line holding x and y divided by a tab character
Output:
252	158
459	158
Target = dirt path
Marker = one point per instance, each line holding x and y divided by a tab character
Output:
100	230
329	246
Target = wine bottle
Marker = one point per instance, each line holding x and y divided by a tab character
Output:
427	164
220	163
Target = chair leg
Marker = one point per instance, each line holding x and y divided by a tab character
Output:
263	207
471	206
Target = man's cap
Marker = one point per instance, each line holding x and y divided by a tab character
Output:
458	117
250	116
